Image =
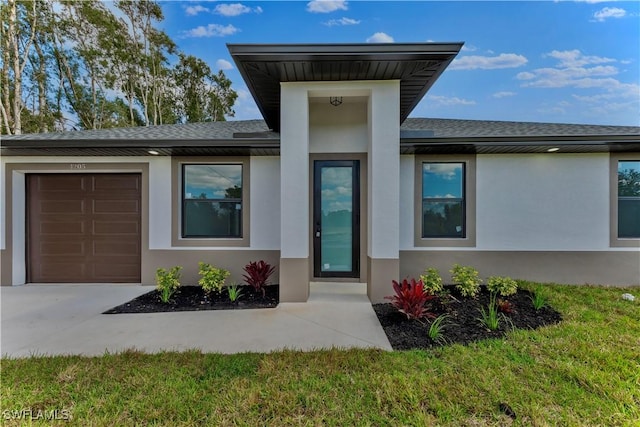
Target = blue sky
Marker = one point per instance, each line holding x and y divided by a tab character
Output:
543	61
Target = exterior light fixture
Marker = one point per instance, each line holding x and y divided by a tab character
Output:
335	100
153	152
553	150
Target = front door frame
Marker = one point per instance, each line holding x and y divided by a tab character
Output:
316	166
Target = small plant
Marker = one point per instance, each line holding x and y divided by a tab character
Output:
211	278
491	318
538	299
505	306
258	274
167	282
410	299
436	328
432	280
503	286
466	280
234	292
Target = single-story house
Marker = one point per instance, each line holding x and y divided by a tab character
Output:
335	184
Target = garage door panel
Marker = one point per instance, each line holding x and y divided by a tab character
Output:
62	183
116	206
63	248
62	207
58	272
116	228
63	227
124	273
118	247
87	230
115	182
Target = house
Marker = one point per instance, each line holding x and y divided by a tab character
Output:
335	184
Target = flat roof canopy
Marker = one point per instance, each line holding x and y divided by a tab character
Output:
264	66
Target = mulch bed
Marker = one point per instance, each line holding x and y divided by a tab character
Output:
193	298
462	326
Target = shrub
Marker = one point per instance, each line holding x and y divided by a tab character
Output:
490	318
505	306
466	280
431	280
167	282
436	329
503	286
410	299
538	300
211	278
258	274
234	292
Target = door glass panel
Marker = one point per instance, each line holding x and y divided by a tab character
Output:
336	204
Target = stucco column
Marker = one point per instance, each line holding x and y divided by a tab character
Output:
383	209
294	193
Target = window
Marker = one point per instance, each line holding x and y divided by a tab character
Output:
629	199
443	200
212	200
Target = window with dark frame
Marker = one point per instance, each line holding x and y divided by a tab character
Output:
212	200
629	199
443	200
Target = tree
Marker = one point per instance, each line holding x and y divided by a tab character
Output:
202	96
68	63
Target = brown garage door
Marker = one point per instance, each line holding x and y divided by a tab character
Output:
83	228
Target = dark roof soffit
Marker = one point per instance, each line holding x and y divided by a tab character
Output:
264	67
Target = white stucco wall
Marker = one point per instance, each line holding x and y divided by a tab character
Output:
530	202
341	129
265	203
383	170
543	202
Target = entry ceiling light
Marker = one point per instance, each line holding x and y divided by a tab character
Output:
335	100
153	152
553	150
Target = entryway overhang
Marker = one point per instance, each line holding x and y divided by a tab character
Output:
264	66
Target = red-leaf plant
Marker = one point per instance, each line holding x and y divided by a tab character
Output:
258	274
410	299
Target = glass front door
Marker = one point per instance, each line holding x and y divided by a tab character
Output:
336	216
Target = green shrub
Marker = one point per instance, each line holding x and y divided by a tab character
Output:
491	318
436	329
538	299
234	292
466	280
503	286
431	280
167	282
211	278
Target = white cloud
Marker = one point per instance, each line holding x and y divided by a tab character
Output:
342	21
575	58
235	9
223	64
503	94
326	6
609	12
476	62
446	101
211	30
194	10
469	48
380	38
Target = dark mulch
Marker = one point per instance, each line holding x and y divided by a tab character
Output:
462	326
193	298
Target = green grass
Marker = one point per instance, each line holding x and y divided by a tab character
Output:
583	372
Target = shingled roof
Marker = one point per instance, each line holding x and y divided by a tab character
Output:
417	135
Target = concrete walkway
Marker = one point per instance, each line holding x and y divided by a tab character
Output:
67	319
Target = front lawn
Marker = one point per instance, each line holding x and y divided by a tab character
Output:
583	371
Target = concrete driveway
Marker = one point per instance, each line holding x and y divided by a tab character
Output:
67	319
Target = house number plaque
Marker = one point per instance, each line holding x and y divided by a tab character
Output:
77	166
